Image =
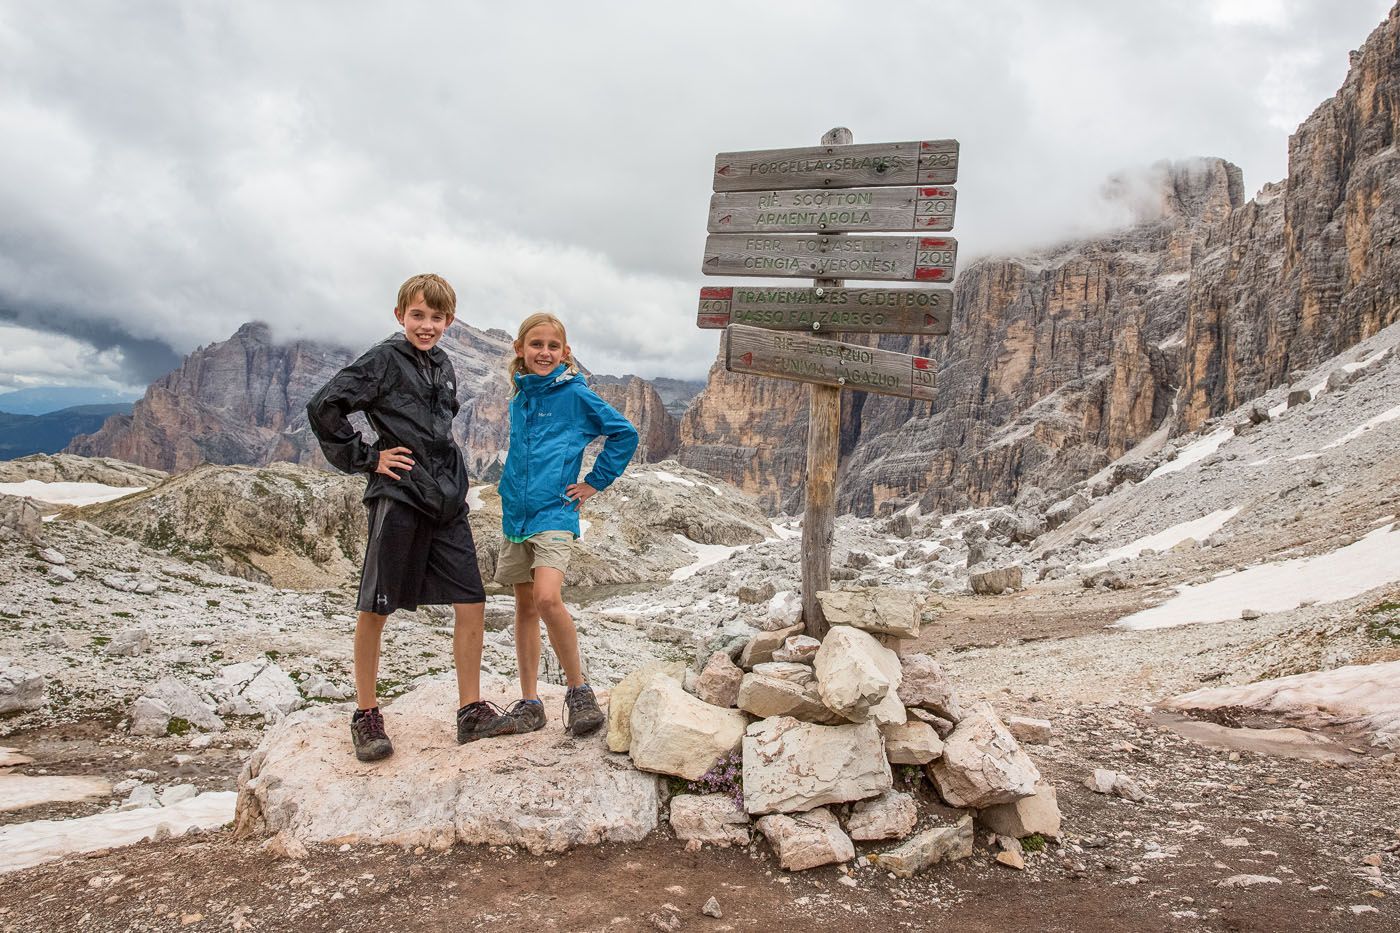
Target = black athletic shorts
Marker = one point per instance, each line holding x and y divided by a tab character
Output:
413	561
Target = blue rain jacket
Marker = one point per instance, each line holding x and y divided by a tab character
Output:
552	419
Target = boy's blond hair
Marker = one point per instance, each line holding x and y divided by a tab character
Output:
517	364
437	294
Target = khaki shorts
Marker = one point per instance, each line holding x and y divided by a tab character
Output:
517	562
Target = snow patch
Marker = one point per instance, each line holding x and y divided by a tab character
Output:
1194	452
706	555
1198	528
1363	427
18	791
474	502
26	844
68	493
1372	561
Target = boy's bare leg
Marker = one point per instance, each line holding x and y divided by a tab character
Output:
527	641
468	631
563	637
369	627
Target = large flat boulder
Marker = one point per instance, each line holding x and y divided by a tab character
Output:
982	764
942	843
1038	813
766	695
544	791
20	689
858	677
790	766
713	818
681	735
761	647
880	610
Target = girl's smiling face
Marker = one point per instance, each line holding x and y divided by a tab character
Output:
542	348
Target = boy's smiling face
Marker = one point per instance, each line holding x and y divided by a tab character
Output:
542	349
422	325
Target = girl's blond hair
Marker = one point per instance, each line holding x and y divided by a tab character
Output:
517	364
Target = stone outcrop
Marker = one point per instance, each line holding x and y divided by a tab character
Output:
640	404
540	790
20	519
20	689
624	695
791	766
1061	361
67	468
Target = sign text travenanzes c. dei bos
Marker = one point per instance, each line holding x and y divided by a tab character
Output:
926	162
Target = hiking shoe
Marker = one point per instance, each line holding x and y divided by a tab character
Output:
482	720
368	736
581	713
528	715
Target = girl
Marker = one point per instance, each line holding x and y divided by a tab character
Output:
553	417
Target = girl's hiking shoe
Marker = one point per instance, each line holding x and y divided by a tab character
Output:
482	720
528	715
368	736
581	713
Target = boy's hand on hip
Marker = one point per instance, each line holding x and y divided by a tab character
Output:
395	458
579	493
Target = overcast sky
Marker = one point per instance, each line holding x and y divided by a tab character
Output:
172	170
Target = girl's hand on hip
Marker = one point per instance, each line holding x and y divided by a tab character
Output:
395	458
579	493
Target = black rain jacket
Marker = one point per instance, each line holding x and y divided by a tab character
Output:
410	399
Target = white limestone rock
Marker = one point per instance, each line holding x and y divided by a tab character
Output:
710	818
982	764
541	790
798	648
623	696
130	643
185	704
176	793
1105	781
761	647
879	610
257	687
1029	730
766	695
50	556
20	689
784	611
149	716
319	687
911	743
929	847
891	815
924	685
63	574
1038	813
791	766
718	683
859	678
20	518
678	734
807	840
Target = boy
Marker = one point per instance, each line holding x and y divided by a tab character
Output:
420	549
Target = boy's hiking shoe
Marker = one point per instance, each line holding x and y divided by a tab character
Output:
581	713
528	715
368	736
482	720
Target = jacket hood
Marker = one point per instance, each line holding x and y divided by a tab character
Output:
529	383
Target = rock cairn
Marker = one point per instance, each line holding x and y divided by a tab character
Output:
800	739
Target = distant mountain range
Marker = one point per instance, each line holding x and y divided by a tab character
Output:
50	432
42	400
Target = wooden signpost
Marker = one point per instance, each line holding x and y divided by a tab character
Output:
827	362
929	162
866	310
900	258
839	210
784	213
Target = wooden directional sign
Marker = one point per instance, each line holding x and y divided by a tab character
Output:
865	210
901	258
852	310
928	162
827	362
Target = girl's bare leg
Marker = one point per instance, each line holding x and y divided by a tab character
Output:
527	641
563	637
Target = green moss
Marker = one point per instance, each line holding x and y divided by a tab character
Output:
272	654
1035	842
212	603
100	640
178	726
123	614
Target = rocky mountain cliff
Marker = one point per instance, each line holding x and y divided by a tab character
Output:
1059	362
242	401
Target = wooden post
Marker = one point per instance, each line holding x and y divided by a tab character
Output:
823	448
